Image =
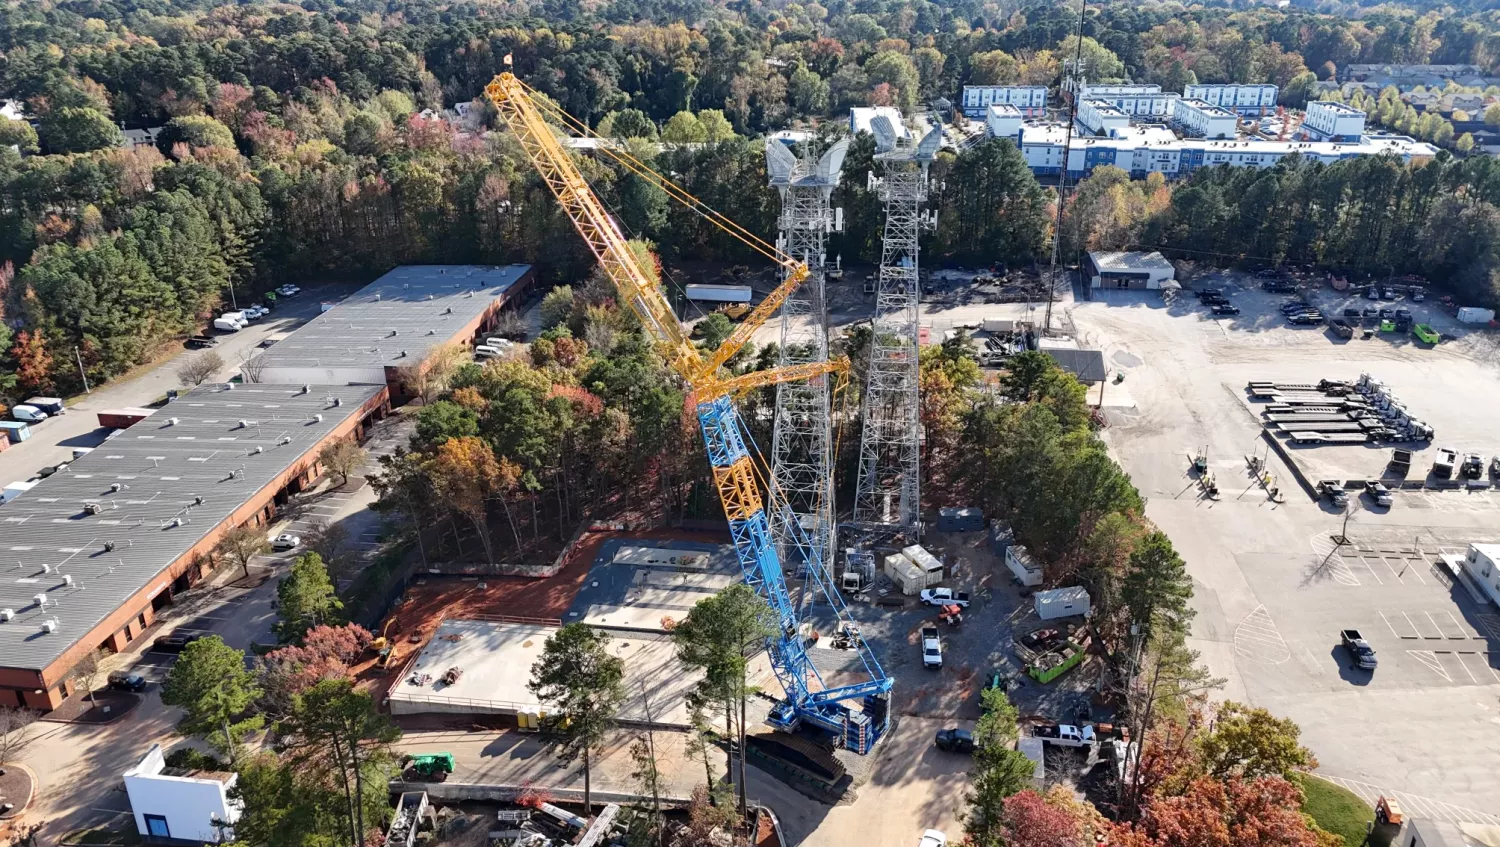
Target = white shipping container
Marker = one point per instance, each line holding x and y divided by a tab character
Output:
932	569
1062	602
1475	315
908	577
998	325
720	293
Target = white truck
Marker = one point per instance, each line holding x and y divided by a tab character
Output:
932	648
1064	735
945	597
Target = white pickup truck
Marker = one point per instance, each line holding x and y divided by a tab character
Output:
945	597
932	648
1064	735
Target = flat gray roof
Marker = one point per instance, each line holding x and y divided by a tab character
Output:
210	452
1129	261
423	305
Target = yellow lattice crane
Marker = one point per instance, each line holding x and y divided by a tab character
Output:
856	715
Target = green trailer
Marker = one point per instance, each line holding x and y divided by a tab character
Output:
1425	334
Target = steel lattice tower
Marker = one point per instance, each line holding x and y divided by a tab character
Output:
888	496
802	441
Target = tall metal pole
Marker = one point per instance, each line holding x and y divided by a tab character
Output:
1062	177
79	358
802	439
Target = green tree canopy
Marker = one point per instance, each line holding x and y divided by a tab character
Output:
211	683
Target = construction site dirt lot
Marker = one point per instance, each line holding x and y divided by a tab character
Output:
1270	591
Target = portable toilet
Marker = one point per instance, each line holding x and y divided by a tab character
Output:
1061	602
1001	537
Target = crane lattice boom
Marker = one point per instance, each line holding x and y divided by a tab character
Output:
730	449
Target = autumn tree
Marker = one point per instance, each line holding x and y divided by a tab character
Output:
343	457
1028	820
33	362
465	474
325	652
1250	742
242	544
1261	812
582	684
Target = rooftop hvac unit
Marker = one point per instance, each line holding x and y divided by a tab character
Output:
177	521
258	449
391	333
338	401
67	579
109	547
228	386
93	508
7	615
448	311
318	418
40	600
377	297
46	569
285	439
171	421
114	487
49	626
305	389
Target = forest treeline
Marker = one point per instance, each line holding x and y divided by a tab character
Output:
310	142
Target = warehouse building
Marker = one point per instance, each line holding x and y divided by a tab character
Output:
1031	100
391	325
95	551
1128	270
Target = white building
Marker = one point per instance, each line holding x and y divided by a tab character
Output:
1330	121
1110	269
1030	99
183	805
1483	565
1095	89
1100	118
1204	120
1156	104
1142	150
1004	121
1244	99
861	116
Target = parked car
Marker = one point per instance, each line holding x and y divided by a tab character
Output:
1225	309
1351	313
199	342
1334	491
1291	307
945	597
1359	649
1378	492
28	414
286	541
1370	312
126	681
1209	292
1064	735
1388	294
954	740
175	642
1373	293
1387	313
932	648
1442	466
288	290
1305	318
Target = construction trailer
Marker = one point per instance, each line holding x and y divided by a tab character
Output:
932	567
909	578
1061	602
1025	567
968	519
704	293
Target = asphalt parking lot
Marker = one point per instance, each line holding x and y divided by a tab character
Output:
1271	594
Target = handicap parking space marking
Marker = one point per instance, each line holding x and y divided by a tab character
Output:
1491	625
1341	572
1257	638
1430	659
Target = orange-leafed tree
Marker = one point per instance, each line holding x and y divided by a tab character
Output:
33	362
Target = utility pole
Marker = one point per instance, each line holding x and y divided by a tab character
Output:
79	358
1080	82
888	496
802	439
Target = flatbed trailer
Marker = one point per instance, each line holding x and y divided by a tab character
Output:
1324	427
1293	417
1330	437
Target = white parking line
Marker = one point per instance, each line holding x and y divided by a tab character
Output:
1419	631
1392	626
1430	659
1341	572
1370	792
1491	625
1463	634
1257	638
1368	567
1461	664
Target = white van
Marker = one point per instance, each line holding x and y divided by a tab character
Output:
227	325
29	414
500	343
485	351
